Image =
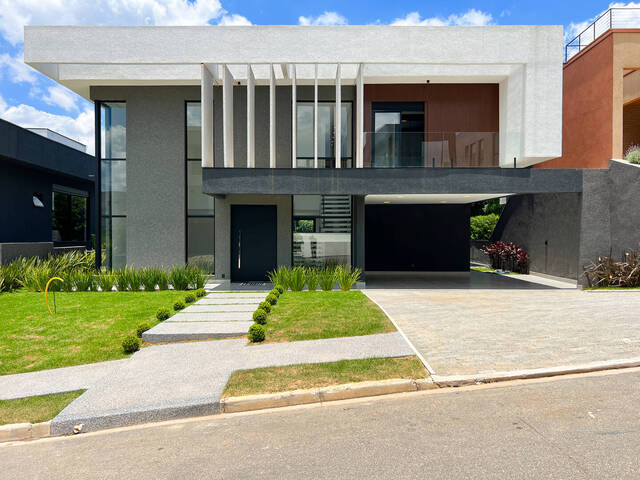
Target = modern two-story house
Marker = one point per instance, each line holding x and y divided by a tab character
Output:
244	148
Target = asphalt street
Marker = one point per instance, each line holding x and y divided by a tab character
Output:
568	428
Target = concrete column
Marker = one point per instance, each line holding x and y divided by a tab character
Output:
360	117
272	118
206	109
315	118
227	116
294	117
338	118
251	118
358	236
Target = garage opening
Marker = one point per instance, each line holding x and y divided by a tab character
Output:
417	237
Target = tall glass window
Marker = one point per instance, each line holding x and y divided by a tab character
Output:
321	230
200	207
113	166
326	135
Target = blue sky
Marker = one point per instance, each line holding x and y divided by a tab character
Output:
29	99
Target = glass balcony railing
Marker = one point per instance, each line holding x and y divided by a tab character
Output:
431	149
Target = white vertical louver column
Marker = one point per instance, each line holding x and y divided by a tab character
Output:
227	116
272	118
294	117
315	117
338	119
206	114
360	117
251	118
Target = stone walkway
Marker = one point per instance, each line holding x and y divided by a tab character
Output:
218	315
461	332
180	380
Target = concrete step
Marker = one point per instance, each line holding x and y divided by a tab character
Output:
180	331
212	317
256	295
219	308
229	301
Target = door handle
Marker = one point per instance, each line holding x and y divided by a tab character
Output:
239	249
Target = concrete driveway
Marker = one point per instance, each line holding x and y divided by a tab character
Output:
474	331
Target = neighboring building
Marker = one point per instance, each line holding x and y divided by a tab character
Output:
601	120
359	145
47	194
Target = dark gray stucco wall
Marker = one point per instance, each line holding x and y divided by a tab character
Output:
155	171
548	227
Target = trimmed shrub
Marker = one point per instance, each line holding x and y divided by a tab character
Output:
260	316
256	333
279	288
163	313
201	292
179	305
275	292
327	278
347	277
130	344
141	328
266	306
272	299
311	279
482	226
296	279
190	298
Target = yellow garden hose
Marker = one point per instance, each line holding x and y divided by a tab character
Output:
45	293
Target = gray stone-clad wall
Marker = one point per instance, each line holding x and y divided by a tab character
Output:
625	207
548	227
155	171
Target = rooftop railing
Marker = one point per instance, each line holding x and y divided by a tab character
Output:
612	18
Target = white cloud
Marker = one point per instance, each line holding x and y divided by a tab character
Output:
61	97
470	17
79	128
630	18
17	70
234	20
327	18
15	14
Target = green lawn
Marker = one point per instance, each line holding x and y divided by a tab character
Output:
88	327
315	315
293	377
35	409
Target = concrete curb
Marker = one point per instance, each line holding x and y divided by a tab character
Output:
24	431
324	394
444	381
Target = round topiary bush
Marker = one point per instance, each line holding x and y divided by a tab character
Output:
141	328
179	305
279	288
256	333
163	313
130	344
272	299
260	316
190	298
201	292
275	292
266	306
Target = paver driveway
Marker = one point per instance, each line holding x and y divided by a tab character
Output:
481	331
